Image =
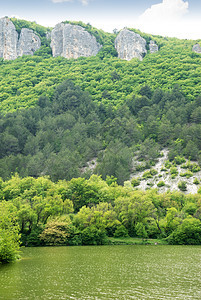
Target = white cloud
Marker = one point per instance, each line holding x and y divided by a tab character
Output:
166	18
61	1
84	2
167	10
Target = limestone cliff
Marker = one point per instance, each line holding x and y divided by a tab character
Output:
130	45
73	41
8	39
153	47
12	46
196	48
28	42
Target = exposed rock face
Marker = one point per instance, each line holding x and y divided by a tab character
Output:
73	41
28	42
8	39
10	46
196	48
130	45
153	47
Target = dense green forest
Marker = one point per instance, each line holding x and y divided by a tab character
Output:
61	134
70	131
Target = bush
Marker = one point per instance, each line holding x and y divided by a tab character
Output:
161	183
188	233
187	174
121	231
9	233
196	181
93	236
193	167
135	182
179	160
173	171
182	186
149	174
168	164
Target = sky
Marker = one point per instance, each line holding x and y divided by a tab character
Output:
173	18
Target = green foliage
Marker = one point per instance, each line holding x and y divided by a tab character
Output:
168	164
41	211
182	186
161	183
121	231
173	171
58	232
9	233
115	161
179	160
193	167
196	181
187	174
25	79
135	182
149	174
93	236
188	233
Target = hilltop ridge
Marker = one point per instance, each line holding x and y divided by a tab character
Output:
71	40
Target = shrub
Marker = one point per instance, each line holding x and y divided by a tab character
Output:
173	170
121	231
179	160
187	174
135	182
196	181
182	186
161	183
93	236
188	233
168	164
149	174
153	172
193	167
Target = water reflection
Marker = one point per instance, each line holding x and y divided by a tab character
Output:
105	272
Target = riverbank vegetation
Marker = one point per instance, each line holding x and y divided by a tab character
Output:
88	211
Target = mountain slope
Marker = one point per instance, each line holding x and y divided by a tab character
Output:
108	79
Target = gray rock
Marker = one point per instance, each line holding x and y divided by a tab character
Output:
153	47
8	39
130	45
73	41
10	46
28	42
196	48
48	35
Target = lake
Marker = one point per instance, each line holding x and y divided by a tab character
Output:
104	272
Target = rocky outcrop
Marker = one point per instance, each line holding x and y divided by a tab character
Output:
153	47
73	41
130	45
8	39
12	46
28	42
196	48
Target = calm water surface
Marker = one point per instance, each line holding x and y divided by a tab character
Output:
105	272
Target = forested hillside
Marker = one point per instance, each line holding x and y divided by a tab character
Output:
108	79
73	131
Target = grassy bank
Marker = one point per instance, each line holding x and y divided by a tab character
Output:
135	241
